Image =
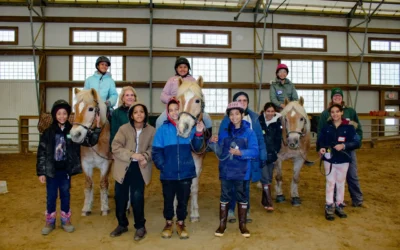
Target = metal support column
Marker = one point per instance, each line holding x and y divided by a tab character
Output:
151	59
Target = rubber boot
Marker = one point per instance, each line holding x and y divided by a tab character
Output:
242	212
66	222
50	223
267	198
223	216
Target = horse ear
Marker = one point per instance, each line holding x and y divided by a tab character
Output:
94	94
286	101
76	90
301	101
200	81
180	81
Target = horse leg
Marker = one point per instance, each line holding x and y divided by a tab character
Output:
278	186
104	171
194	206
294	192
87	207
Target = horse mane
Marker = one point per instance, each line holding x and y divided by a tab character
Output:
190	86
299	109
86	96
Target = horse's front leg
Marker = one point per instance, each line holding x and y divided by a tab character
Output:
87	206
294	189
278	185
104	172
194	206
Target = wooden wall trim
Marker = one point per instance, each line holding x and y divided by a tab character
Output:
215	54
54	19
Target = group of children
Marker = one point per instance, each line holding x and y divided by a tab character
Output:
247	146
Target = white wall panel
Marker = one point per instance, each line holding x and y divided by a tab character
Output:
163	68
242	70
366	101
364	73
137	68
58	68
97	12
54	94
18	97
269	70
310	20
336	72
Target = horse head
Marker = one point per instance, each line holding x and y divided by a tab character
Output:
191	106
88	104
295	123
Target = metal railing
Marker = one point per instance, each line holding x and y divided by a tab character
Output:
9	135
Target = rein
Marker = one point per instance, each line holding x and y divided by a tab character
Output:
330	167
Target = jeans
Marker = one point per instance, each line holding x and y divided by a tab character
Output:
352	180
267	173
233	200
180	188
239	195
163	117
133	184
61	182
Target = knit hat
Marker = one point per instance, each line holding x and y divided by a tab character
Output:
235	96
336	91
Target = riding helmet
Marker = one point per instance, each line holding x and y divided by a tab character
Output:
182	60
103	59
282	66
235	105
60	104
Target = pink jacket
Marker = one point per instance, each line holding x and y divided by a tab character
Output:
171	88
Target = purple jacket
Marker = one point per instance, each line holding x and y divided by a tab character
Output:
171	88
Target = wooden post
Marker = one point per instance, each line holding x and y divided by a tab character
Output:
23	134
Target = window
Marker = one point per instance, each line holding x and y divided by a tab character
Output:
212	69
306	71
385	73
302	42
204	38
8	35
17	70
97	36
313	100
383	45
74	101
84	66
391	125
216	100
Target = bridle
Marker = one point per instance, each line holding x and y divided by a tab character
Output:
89	129
301	134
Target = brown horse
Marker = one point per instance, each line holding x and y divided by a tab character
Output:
295	145
88	104
191	110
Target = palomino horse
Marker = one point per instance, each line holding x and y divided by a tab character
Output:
191	111
295	144
88	104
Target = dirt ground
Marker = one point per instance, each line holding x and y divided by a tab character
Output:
376	226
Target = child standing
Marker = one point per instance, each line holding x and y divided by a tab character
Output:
282	88
182	68
237	146
58	158
173	157
102	82
336	141
132	168
272	131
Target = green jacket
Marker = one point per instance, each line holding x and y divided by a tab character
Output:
119	118
348	113
278	92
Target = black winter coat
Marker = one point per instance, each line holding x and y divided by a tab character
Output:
272	137
45	155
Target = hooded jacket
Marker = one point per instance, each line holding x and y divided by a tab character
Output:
171	88
125	143
272	134
104	85
345	134
237	167
278	92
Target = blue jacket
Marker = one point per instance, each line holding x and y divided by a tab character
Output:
104	85
257	163
172	154
237	167
330	136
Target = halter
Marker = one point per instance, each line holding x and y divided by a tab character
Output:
89	129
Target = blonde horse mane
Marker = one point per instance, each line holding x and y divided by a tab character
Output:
192	86
89	96
298	108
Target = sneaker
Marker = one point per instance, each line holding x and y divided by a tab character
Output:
339	211
357	204
167	231
329	212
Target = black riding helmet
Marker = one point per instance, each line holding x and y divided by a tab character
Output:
182	60
103	59
60	104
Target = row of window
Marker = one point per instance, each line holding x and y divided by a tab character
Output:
203	38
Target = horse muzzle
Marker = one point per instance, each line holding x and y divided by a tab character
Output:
78	134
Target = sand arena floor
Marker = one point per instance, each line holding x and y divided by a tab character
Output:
376	226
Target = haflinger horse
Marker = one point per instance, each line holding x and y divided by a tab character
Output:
88	104
295	145
191	110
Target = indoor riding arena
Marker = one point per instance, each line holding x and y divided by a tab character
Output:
50	49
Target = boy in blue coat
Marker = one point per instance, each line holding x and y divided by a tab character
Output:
172	155
237	146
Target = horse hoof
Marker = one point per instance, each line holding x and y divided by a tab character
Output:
280	198
296	201
195	219
105	213
86	213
